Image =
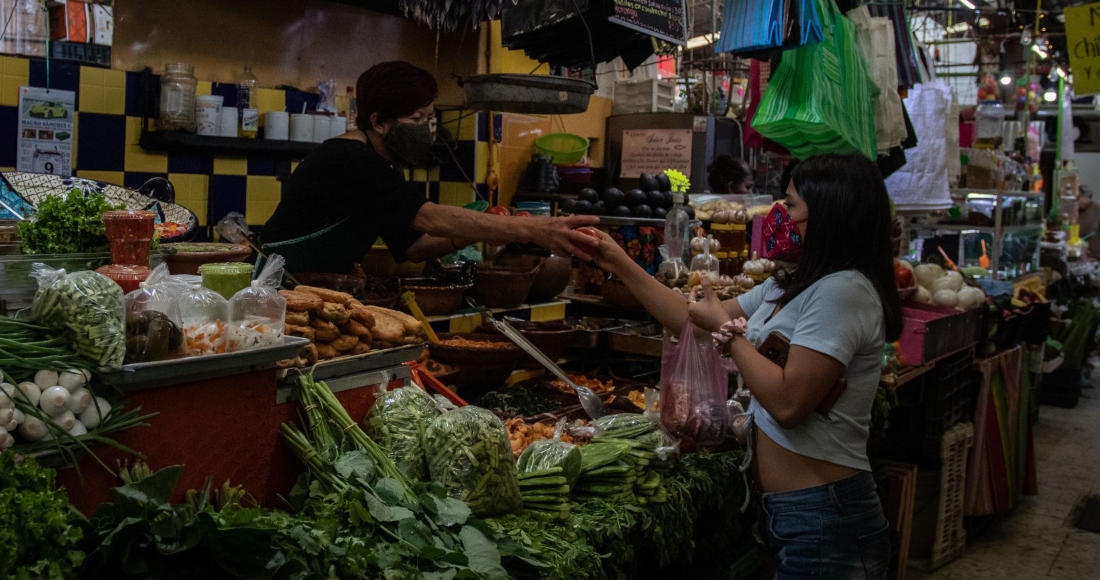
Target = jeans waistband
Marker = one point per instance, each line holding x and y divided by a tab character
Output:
856	486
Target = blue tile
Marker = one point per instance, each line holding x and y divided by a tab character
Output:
63	76
433	190
498	127
227	194
101	142
135	100
203	164
262	166
483	192
483	125
136	179
9	126
464	153
227	91
295	98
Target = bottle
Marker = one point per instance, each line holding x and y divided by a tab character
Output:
678	230
353	109
246	104
989	120
177	98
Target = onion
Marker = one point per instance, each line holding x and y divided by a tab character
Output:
45	379
71	379
80	400
6	440
970	298
19	417
943	283
32	392
78	429
926	274
95	412
7	396
33	429
923	295
54	400
946	298
955	278
7	416
65	420
11	426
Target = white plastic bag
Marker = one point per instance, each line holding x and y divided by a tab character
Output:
153	318
258	312
204	318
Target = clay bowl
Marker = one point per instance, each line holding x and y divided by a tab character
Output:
479	369
552	338
189	256
501	287
434	297
551	281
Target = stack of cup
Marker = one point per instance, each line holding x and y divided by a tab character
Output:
208	110
321	128
277	126
227	127
130	233
301	128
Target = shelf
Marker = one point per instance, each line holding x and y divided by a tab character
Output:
985	229
470	320
999	193
189	144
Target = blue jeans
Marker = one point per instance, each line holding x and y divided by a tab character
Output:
835	531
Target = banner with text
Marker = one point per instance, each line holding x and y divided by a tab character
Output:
655	150
1083	41
663	19
46	131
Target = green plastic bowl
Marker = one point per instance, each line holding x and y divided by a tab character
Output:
479	205
566	148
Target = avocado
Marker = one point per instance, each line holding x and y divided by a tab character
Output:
655	199
588	194
663	182
660	213
635	197
643	211
568	206
582	207
599	208
621	211
647	182
613	197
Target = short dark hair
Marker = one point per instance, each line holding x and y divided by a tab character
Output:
725	170
393	89
848	229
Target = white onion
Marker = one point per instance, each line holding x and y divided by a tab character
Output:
19	417
65	420
970	298
33	429
6	416
923	295
71	379
95	413
32	393
955	278
87	375
6	440
11	426
946	298
80	400
7	396
45	379
943	283
926	274
78	429
54	400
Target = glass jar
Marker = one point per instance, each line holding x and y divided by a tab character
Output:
130	233
226	278
177	98
989	120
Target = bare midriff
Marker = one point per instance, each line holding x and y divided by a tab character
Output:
777	469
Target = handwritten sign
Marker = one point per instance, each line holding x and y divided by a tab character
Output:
655	150
1083	41
663	19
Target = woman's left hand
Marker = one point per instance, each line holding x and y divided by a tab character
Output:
708	314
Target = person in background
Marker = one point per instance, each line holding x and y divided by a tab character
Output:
727	174
1088	220
836	306
351	189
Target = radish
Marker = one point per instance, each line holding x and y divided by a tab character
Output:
19	417
65	420
71	379
7	416
31	392
80	400
95	413
6	440
54	400
78	429
45	379
33	429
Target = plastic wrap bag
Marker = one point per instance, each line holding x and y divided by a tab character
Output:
258	312
551	453
153	318
694	383
87	308
204	316
706	262
470	456
397	421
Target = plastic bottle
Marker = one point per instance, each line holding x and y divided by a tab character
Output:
677	230
246	104
989	120
177	98
353	109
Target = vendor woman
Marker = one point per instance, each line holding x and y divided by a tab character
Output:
836	306
349	190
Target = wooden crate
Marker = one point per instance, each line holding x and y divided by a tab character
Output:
897	489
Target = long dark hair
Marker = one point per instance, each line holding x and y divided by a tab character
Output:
848	229
725	170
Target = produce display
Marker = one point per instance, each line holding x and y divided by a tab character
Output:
758	268
28	348
469	455
943	287
556	452
87	308
462	342
516	402
651	200
42	538
726	287
583	381
522	434
721	211
398	420
257	313
68	224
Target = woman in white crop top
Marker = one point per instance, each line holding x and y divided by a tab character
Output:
837	305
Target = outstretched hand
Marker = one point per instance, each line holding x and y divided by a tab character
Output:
707	314
562	237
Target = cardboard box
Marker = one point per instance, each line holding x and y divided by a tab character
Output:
103	24
70	21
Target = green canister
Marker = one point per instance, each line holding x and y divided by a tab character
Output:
226	278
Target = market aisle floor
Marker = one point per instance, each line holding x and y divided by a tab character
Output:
1037	540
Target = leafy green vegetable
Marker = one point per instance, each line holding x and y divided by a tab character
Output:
67	224
397	421
41	533
469	454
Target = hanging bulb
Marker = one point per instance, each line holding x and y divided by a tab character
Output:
1050	96
1006	80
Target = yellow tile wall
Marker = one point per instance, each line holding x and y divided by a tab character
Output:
192	192
230	166
454	193
14	73
102	91
262	196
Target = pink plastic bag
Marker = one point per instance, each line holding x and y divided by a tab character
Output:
694	384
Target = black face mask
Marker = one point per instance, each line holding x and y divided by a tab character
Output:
410	144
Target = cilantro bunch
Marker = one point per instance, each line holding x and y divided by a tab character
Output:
69	224
40	535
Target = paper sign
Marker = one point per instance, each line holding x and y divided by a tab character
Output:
1083	41
46	131
655	150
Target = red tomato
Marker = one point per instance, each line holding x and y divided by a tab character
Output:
523	214
903	276
590	232
498	210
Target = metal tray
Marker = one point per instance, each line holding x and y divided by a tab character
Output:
349	365
645	340
138	376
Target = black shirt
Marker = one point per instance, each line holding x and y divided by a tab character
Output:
345	178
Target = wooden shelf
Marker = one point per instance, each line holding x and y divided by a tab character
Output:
189	144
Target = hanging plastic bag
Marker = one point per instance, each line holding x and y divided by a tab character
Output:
706	262
258	312
469	455
398	420
153	318
204	319
694	383
551	453
87	308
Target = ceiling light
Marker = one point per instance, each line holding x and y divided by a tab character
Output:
1006	80
1061	72
701	41
1050	96
1042	53
968	4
